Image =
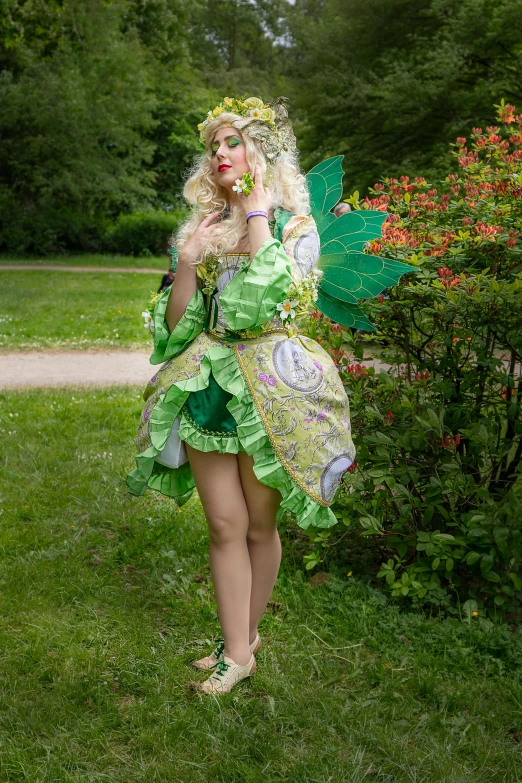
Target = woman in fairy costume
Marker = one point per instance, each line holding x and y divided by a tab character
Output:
255	418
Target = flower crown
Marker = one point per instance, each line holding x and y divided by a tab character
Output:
266	122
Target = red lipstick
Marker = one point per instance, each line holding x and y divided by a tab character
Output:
224	167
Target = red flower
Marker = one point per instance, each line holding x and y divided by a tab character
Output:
450	442
357	370
382	297
507	114
487	233
444	272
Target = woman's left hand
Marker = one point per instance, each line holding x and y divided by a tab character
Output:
259	197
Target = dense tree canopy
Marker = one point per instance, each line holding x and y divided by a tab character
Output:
100	99
389	83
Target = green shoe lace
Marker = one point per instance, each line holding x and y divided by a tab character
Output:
218	651
222	668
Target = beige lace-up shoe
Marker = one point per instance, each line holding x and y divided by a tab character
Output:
212	660
226	674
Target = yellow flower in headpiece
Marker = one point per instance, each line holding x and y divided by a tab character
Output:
268	115
228	101
201	126
254	103
217	111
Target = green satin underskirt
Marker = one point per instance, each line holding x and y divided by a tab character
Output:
207	412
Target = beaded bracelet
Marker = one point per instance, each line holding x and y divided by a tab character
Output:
256	213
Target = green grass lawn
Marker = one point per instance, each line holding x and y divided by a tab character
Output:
107	598
74	310
141	262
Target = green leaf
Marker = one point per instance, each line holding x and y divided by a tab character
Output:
469	607
501	534
428	514
516	581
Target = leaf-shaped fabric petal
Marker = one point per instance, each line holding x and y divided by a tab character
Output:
352	231
342	313
353	276
325	184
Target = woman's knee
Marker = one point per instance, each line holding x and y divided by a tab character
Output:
261	529
226	529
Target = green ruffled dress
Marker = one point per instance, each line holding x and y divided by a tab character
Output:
276	397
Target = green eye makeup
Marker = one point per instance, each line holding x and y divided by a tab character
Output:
233	141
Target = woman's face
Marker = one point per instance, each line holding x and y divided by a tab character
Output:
228	161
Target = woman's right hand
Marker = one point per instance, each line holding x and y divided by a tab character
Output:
200	239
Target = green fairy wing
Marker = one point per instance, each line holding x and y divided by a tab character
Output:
349	274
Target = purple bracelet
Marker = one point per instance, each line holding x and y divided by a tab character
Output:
256	213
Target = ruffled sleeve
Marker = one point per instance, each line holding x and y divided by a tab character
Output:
168	344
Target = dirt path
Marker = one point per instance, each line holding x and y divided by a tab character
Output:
58	268
74	368
43	369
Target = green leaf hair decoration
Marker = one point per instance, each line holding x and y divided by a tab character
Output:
349	274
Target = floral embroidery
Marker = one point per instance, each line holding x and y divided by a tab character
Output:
269	379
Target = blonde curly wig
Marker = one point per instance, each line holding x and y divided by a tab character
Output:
286	182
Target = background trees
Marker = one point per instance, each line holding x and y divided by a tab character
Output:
100	100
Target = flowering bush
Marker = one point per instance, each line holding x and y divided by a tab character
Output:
439	434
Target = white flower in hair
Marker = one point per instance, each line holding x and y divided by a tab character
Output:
286	308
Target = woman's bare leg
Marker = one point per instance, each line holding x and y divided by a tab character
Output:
264	545
221	494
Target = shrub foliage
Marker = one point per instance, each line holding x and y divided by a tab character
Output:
439	434
143	233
